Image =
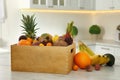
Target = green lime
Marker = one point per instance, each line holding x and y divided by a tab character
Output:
74	31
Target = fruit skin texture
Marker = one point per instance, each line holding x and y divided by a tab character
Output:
97	67
49	44
75	67
74	31
22	37
24	42
111	61
82	60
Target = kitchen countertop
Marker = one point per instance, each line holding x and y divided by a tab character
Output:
102	42
106	73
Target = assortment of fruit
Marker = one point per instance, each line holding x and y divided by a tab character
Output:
87	59
45	39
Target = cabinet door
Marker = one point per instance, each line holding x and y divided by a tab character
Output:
59	4
116	4
85	4
104	4
117	56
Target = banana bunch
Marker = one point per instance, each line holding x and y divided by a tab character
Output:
95	58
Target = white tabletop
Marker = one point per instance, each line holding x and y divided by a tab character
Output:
106	73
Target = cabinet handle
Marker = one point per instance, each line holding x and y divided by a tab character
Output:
82	8
112	7
105	48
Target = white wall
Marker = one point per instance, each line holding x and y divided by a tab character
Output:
108	22
54	23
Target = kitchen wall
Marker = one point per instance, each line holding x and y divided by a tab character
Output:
55	23
108	22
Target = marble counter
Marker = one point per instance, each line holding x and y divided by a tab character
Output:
102	42
106	73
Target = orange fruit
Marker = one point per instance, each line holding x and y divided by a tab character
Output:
82	60
75	67
30	39
49	44
24	42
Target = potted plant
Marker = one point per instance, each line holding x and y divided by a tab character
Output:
95	30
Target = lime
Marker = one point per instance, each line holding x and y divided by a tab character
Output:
74	31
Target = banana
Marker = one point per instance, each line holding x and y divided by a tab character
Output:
95	59
103	60
83	47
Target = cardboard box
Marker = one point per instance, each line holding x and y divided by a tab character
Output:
48	59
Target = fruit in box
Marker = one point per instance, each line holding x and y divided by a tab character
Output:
45	38
46	59
60	41
29	25
22	37
29	30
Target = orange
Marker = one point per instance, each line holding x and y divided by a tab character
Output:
82	60
49	44
30	39
75	67
24	42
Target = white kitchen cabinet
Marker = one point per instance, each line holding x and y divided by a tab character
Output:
63	4
50	4
86	4
103	49
117	55
116	4
107	4
82	4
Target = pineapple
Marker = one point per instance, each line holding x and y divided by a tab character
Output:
29	26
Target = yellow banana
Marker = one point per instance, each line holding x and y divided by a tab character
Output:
103	60
95	59
84	47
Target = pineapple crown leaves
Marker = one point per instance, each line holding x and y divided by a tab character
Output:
29	25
